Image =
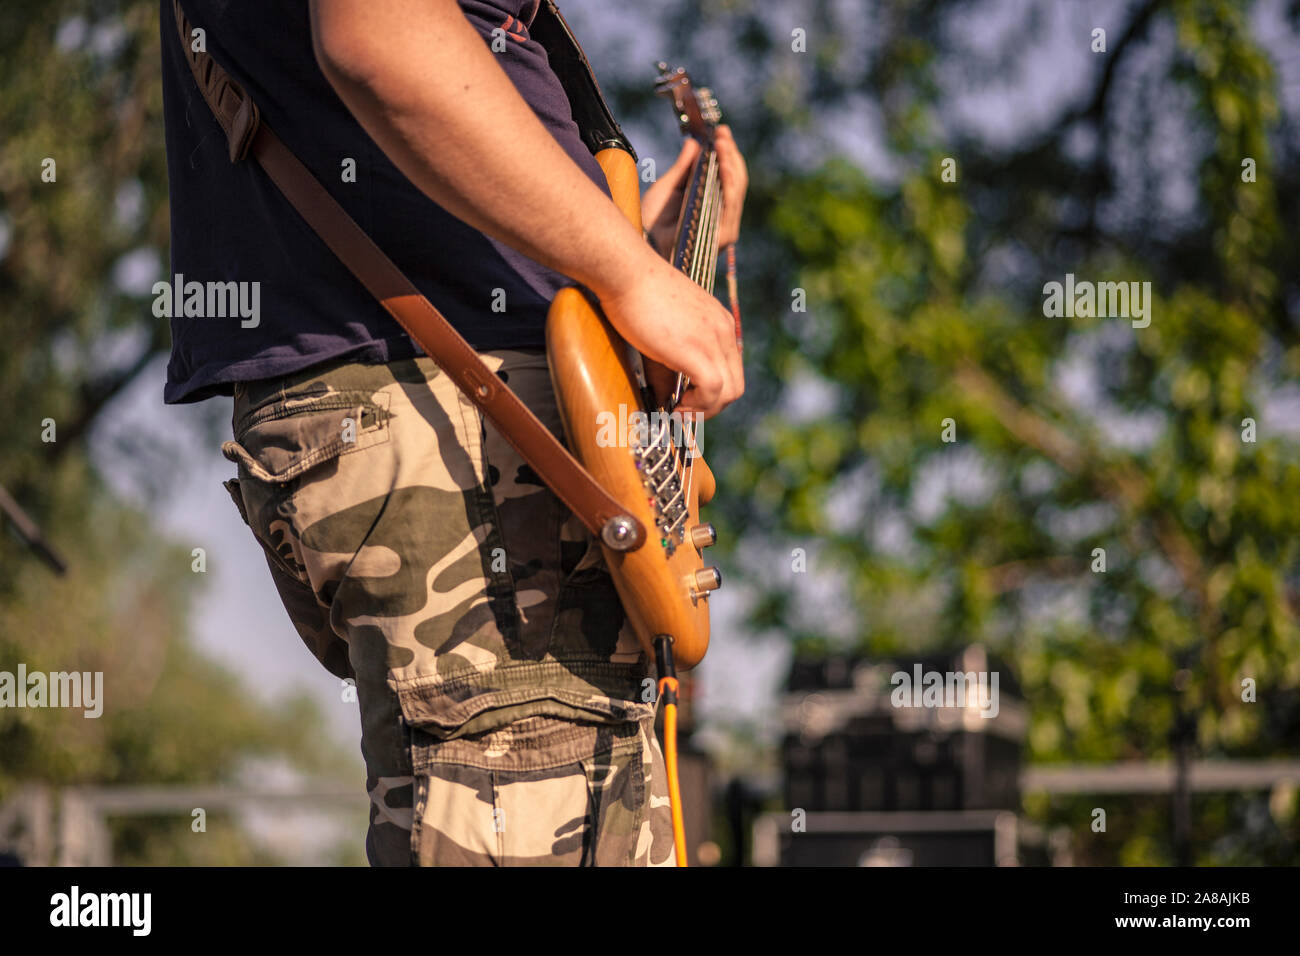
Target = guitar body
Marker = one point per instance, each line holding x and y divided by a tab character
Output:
595	384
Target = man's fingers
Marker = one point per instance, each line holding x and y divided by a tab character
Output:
690	149
672	320
722	378
703	396
735	181
735	371
677	171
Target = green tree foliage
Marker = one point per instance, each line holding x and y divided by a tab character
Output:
925	304
82	87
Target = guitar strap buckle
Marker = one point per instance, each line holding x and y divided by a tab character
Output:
234	110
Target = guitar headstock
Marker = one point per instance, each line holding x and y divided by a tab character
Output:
696	107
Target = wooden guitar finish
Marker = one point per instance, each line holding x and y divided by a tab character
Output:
664	584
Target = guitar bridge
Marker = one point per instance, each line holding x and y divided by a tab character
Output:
657	462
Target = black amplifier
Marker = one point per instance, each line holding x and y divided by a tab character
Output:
938	733
963	838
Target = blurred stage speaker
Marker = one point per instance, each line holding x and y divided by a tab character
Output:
848	747
961	838
907	762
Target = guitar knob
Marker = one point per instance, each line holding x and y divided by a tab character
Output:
704	536
708	579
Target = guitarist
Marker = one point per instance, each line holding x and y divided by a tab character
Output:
502	694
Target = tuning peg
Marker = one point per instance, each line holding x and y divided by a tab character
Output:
667	74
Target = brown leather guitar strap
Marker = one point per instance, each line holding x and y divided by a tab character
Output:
247	135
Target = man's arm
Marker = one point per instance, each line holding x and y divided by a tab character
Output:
426	88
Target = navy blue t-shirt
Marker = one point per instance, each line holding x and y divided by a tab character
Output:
229	223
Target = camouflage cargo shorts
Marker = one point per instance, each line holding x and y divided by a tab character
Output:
506	706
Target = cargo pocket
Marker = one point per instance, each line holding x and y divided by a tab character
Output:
282	442
295	439
278	447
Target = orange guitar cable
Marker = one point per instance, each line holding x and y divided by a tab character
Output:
668	689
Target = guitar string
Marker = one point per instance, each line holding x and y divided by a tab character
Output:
697	274
691	262
707	252
691	267
709	217
694	259
697	269
711	261
706	243
715	215
683	472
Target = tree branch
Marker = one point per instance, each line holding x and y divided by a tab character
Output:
30	532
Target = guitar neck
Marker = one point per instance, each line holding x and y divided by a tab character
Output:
696	249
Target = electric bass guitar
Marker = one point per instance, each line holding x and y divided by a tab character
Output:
647	457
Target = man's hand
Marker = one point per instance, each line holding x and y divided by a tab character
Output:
717	377
673	321
662	202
